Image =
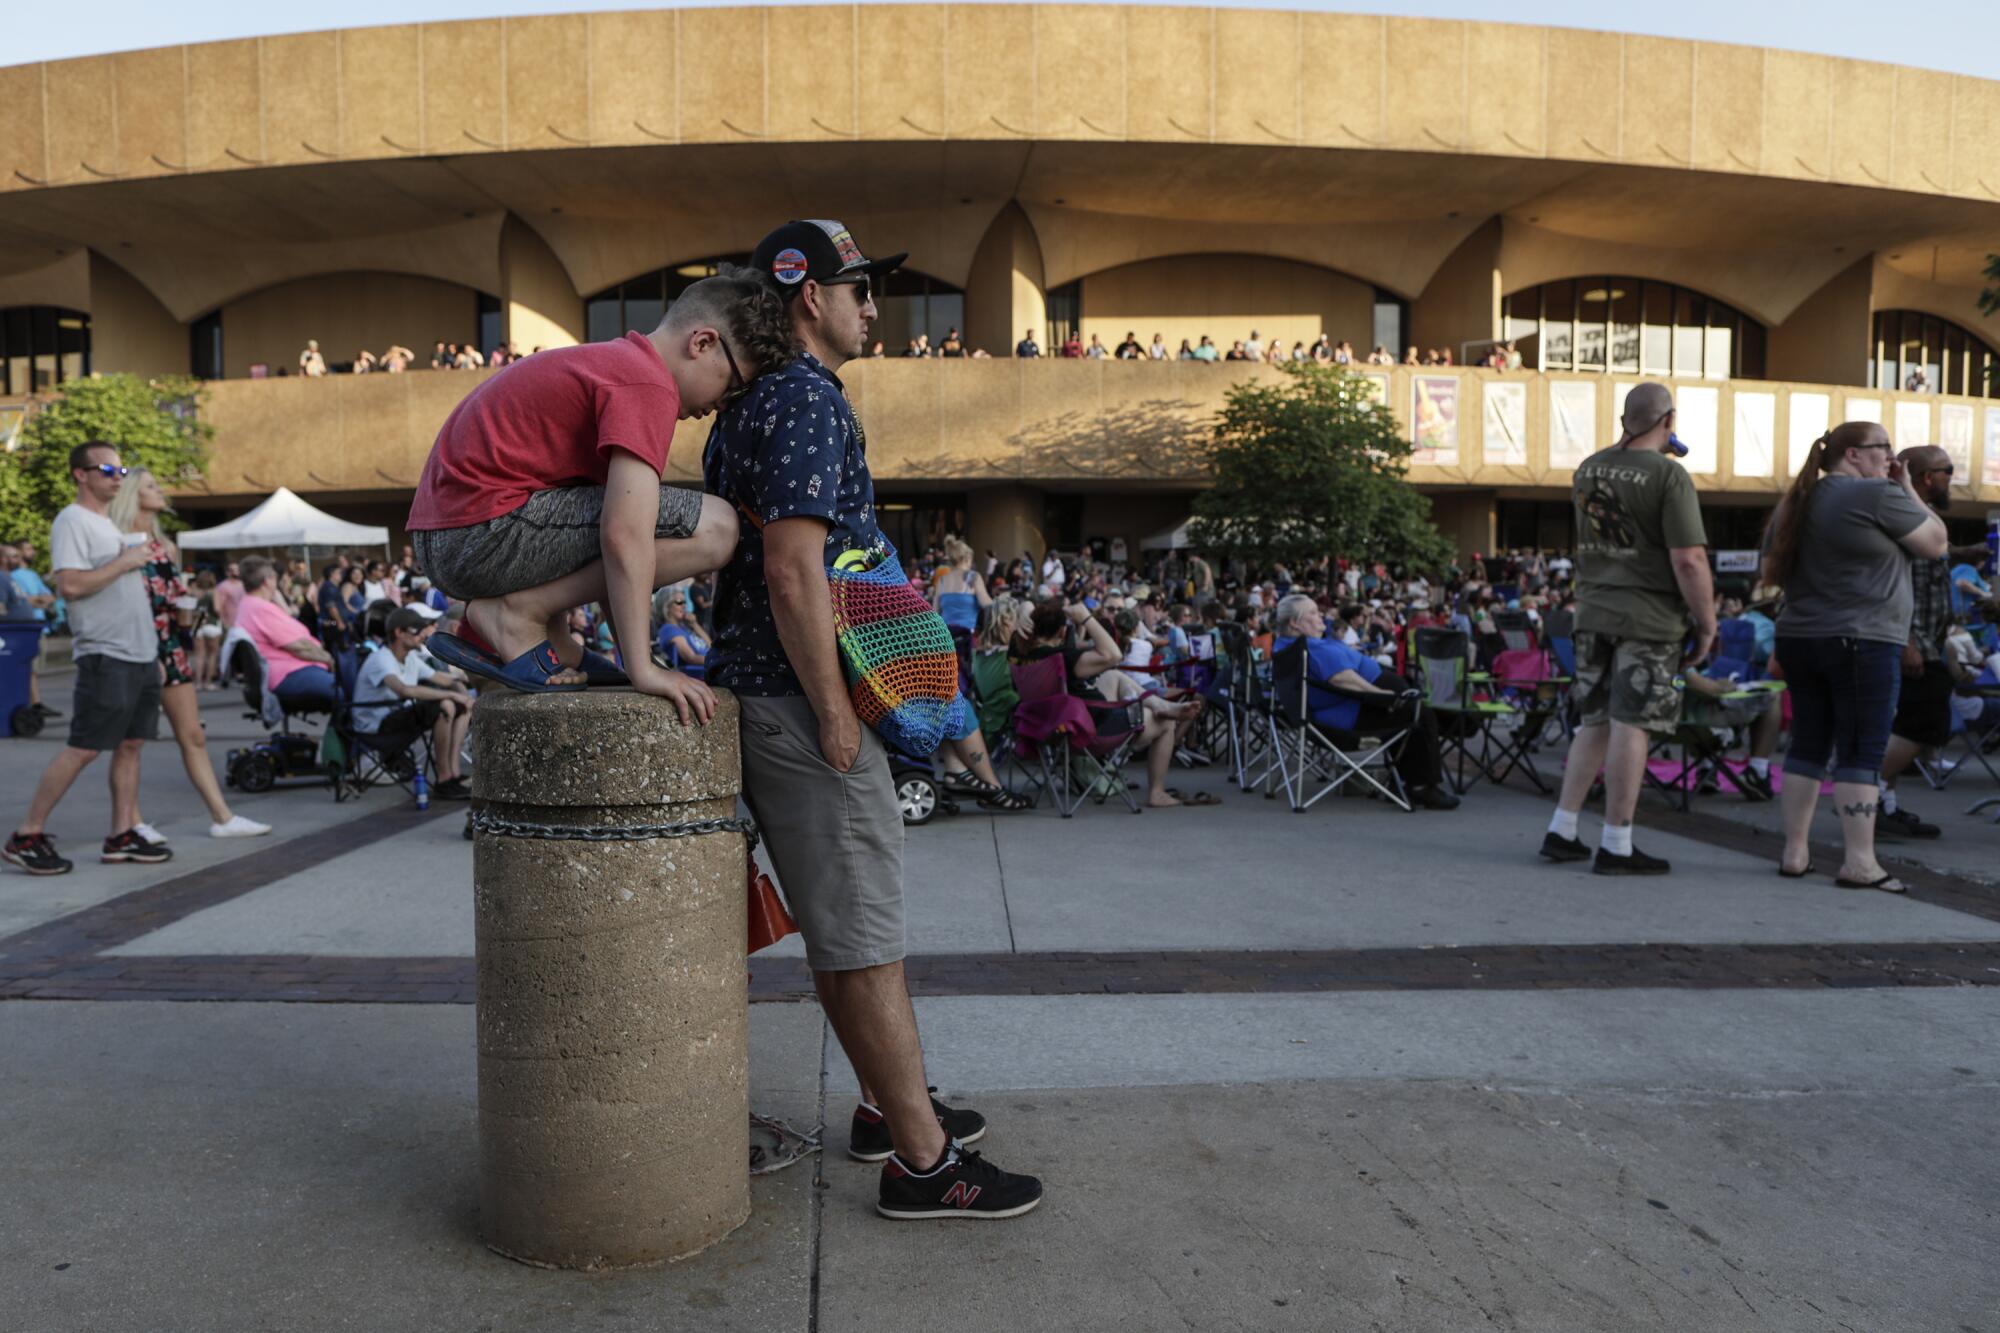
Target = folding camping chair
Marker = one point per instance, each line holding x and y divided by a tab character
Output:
1466	723
1058	731
368	759
1939	769
1704	746
1304	752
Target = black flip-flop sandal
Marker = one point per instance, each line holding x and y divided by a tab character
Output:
1796	874
1882	884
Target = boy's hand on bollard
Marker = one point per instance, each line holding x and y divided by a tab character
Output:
688	694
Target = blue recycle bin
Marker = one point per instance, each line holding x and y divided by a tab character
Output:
20	640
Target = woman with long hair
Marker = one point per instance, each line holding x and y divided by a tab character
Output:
137	508
958	594
1839	544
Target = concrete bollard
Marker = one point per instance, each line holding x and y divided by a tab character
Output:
613	1074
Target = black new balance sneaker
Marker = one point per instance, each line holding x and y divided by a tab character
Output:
36	854
1905	824
129	846
1558	848
868	1139
1638	863
963	1185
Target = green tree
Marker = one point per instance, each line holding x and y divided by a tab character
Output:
1314	467
155	424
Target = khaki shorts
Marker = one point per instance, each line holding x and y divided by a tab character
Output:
1627	680
835	839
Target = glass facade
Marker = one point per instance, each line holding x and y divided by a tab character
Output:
41	346
1921	352
1633	326
909	303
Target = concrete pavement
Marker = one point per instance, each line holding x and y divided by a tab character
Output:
1422	1155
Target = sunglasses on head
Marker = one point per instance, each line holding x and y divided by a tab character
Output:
112	470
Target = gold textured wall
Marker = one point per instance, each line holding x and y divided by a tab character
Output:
933	72
1112	425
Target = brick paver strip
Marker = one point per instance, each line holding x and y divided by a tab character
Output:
331	980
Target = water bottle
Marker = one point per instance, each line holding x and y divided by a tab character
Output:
422	790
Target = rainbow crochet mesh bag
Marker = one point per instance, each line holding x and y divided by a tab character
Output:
902	670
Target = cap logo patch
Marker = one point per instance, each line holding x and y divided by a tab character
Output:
849	252
789	267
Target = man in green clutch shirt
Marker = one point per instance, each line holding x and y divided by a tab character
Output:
1642	580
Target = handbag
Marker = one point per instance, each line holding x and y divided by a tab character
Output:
769	921
895	651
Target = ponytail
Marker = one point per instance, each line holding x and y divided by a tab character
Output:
1788	521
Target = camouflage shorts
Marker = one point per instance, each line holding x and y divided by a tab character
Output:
1627	680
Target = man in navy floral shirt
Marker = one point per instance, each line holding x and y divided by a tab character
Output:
791	457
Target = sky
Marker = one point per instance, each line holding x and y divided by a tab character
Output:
1961	36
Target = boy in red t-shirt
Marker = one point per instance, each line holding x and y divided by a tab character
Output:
543	492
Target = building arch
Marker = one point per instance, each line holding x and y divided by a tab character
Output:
1227	296
1627	325
910	303
1921	351
348	311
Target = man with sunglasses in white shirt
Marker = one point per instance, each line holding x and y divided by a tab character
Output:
117	655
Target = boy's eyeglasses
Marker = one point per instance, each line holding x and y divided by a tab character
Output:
112	470
738	386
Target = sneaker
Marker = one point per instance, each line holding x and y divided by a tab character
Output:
238	827
1905	824
150	834
35	853
965	1185
868	1138
47	711
1432	798
1755	786
458	789
1558	848
1638	863
129	846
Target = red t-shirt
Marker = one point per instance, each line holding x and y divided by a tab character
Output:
548	421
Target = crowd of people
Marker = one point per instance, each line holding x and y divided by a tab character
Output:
396	358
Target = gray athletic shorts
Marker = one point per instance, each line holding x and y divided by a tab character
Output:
835	839
555	533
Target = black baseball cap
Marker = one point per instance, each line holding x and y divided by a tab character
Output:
819	249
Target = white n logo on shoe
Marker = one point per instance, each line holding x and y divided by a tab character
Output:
960	1195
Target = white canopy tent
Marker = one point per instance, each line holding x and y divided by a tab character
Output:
283	521
1173	539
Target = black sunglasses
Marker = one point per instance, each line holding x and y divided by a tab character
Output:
863	289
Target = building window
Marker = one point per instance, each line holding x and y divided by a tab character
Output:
636	304
1392	317
41	346
1629	326
205	347
1921	352
489	324
1065	305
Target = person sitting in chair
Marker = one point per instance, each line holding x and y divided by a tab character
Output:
397	698
1331	663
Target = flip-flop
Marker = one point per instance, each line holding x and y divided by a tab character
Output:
597	669
1882	884
1796	874
529	673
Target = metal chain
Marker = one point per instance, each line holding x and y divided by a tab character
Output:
485	821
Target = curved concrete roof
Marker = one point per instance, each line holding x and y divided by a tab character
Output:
1373	144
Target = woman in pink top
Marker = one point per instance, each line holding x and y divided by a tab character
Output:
296	666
